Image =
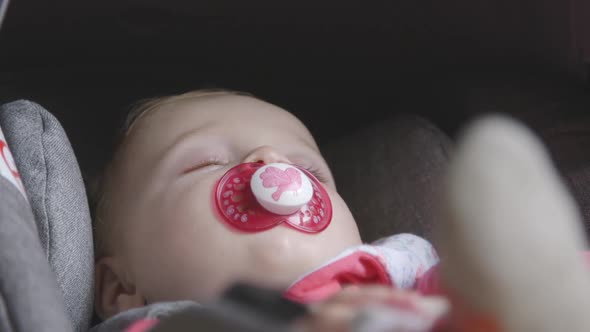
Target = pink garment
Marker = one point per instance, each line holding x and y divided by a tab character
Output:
404	261
356	268
142	325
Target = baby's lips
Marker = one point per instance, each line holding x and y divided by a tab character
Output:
254	197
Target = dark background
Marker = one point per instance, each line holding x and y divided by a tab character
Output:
338	65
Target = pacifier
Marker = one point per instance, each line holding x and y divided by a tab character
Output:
254	197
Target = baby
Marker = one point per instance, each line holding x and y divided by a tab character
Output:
160	235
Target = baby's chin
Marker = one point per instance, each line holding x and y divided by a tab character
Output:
282	255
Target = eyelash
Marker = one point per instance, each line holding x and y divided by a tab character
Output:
316	172
204	163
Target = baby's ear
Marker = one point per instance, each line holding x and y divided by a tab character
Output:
112	292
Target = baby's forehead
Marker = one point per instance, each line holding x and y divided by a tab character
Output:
220	110
239	116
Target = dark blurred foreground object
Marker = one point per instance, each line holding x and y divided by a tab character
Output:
243	308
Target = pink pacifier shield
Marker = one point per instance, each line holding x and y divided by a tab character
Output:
254	197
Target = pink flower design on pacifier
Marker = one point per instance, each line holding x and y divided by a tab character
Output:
254	197
285	180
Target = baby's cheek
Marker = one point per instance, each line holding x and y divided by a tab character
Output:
190	251
343	217
173	264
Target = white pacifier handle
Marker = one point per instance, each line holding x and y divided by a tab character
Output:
281	188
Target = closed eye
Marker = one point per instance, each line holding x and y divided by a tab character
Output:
316	172
205	164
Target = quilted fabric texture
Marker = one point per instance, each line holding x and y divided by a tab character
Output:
390	175
54	185
29	296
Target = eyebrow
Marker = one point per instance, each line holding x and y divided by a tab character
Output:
178	143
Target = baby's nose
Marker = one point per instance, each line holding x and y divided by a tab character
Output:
267	155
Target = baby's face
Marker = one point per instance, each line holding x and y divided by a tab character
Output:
170	241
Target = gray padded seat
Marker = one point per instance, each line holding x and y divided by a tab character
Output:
390	174
53	182
30	299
